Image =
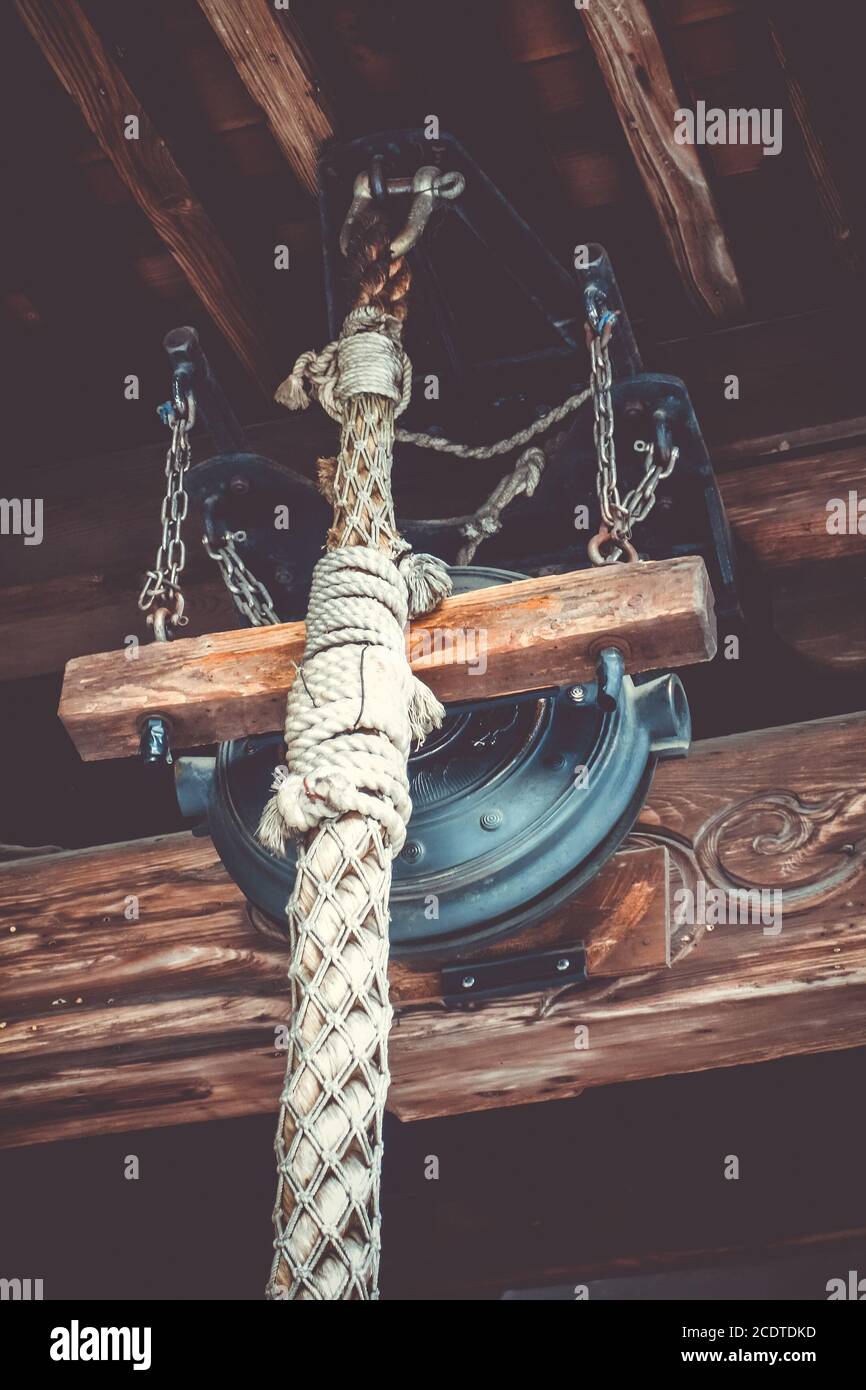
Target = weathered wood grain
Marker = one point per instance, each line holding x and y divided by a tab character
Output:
780	808
781	513
630	57
142	957
277	71
75	595
197	995
148	168
523	636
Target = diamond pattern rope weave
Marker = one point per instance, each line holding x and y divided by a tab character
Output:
329	1138
352	712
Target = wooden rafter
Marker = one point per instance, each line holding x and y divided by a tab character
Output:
273	63
630	57
146	165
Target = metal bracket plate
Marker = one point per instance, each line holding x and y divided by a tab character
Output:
468	983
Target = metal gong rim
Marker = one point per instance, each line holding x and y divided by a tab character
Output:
516	804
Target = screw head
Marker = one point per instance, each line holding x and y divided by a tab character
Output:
563	963
468	981
577	694
412	851
491	820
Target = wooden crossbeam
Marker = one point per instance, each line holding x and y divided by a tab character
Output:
800	512
146	165
75	595
134	992
633	65
277	71
529	635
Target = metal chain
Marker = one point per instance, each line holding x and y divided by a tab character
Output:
164	580
618	515
249	594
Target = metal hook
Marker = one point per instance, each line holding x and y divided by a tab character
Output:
427	188
664	444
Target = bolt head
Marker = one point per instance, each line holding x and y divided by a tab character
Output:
577	694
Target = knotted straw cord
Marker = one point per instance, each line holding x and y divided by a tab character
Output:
351	714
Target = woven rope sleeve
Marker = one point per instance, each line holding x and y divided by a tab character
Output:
329	1136
352	712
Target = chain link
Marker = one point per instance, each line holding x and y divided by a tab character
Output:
164	580
618	514
249	595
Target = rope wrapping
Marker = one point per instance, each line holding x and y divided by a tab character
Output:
355	679
352	712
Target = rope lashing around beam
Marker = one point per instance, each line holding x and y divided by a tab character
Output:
352	712
356	705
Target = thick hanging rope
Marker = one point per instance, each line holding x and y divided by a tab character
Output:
352	712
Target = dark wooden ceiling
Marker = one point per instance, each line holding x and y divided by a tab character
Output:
89	287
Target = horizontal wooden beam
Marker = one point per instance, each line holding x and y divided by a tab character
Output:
75	594
529	635
145	952
800	512
145	163
187	996
633	65
729	814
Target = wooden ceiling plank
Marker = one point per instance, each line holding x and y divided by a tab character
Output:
94	81
634	68
275	67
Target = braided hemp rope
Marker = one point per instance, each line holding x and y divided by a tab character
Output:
351	714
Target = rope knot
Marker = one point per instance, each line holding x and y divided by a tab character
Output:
355	707
368	358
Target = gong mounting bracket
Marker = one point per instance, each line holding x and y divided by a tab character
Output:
469	983
484	244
